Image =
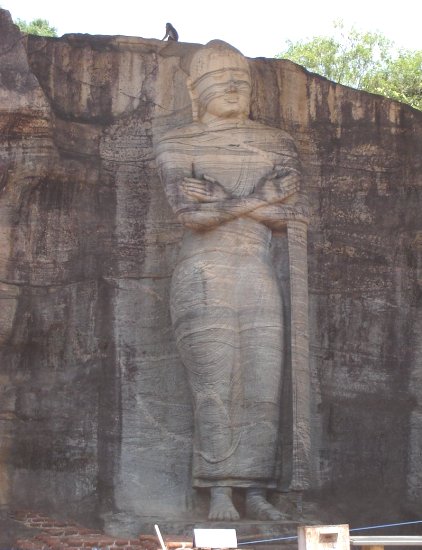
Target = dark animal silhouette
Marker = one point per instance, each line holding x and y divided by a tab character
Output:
171	33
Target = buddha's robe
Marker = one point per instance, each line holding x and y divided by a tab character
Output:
226	306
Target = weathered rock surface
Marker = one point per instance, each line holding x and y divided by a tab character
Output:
95	416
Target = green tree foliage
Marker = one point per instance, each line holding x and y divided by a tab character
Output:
364	60
40	27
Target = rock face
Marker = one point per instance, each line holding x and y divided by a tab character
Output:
95	415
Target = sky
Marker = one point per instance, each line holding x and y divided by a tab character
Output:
257	29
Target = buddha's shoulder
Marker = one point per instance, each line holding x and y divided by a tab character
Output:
196	133
190	130
265	128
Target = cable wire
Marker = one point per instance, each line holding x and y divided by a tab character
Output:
294	537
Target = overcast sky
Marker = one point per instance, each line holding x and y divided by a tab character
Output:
257	28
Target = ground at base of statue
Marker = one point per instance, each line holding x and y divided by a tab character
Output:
36	531
245	529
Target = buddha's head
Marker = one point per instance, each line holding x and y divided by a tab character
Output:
219	83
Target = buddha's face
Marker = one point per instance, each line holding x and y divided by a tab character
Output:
224	93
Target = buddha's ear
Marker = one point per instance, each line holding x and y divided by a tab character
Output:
194	99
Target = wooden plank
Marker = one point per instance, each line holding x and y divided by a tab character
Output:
323	537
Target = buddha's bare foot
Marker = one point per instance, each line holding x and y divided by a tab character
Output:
258	507
221	505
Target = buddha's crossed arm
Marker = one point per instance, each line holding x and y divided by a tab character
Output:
201	203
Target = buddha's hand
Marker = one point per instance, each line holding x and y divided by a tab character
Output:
279	184
206	189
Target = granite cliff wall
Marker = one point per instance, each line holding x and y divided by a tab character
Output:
95	416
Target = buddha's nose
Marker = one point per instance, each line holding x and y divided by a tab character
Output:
232	85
